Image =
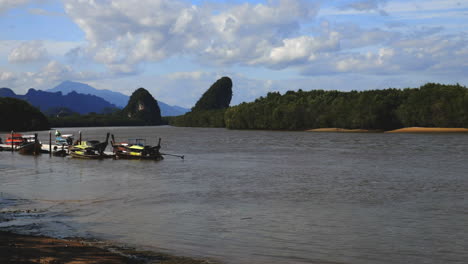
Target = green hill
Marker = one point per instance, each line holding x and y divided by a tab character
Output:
218	96
19	115
142	106
210	108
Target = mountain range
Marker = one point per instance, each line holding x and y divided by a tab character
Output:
76	102
116	98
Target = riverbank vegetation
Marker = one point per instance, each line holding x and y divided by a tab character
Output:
431	105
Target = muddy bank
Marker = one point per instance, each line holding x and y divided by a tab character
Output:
15	248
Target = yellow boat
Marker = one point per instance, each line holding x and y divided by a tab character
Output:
136	149
89	149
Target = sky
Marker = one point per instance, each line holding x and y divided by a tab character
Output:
177	48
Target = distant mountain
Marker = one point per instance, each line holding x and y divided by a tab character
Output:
119	99
80	103
171	110
66	87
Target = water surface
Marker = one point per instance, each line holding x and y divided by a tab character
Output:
256	196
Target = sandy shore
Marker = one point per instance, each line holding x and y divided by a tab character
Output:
16	248
429	130
401	130
334	129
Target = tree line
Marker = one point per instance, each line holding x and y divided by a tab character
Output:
431	105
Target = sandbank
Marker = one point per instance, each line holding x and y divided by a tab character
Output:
15	248
344	130
429	130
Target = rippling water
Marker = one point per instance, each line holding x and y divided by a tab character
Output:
256	196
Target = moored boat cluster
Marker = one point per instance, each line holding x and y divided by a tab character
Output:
65	145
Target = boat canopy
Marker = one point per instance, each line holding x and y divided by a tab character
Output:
136	141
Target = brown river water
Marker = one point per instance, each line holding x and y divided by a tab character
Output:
255	196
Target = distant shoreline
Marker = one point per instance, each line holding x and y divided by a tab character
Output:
343	130
429	130
401	130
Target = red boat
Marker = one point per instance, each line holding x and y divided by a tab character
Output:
15	139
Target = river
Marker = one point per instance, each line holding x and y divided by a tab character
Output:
255	196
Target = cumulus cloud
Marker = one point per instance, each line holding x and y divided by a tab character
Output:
55	71
50	73
123	35
301	50
430	54
127	32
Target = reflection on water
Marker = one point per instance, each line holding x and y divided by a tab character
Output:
256	196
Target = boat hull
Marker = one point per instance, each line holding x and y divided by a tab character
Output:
120	155
79	155
32	148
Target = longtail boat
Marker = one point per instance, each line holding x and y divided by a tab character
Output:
91	149
15	139
65	139
136	149
30	145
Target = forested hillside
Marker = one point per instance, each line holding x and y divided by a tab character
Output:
19	115
210	108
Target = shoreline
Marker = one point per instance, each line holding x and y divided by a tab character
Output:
22	247
400	130
18	248
429	130
343	130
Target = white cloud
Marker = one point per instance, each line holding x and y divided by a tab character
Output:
126	37
6	76
28	52
301	50
431	54
126	33
49	74
9	4
196	75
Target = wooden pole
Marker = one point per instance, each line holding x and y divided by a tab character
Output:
80	137
50	143
36	142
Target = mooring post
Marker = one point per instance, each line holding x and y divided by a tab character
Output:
36	142
80	136
50	143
